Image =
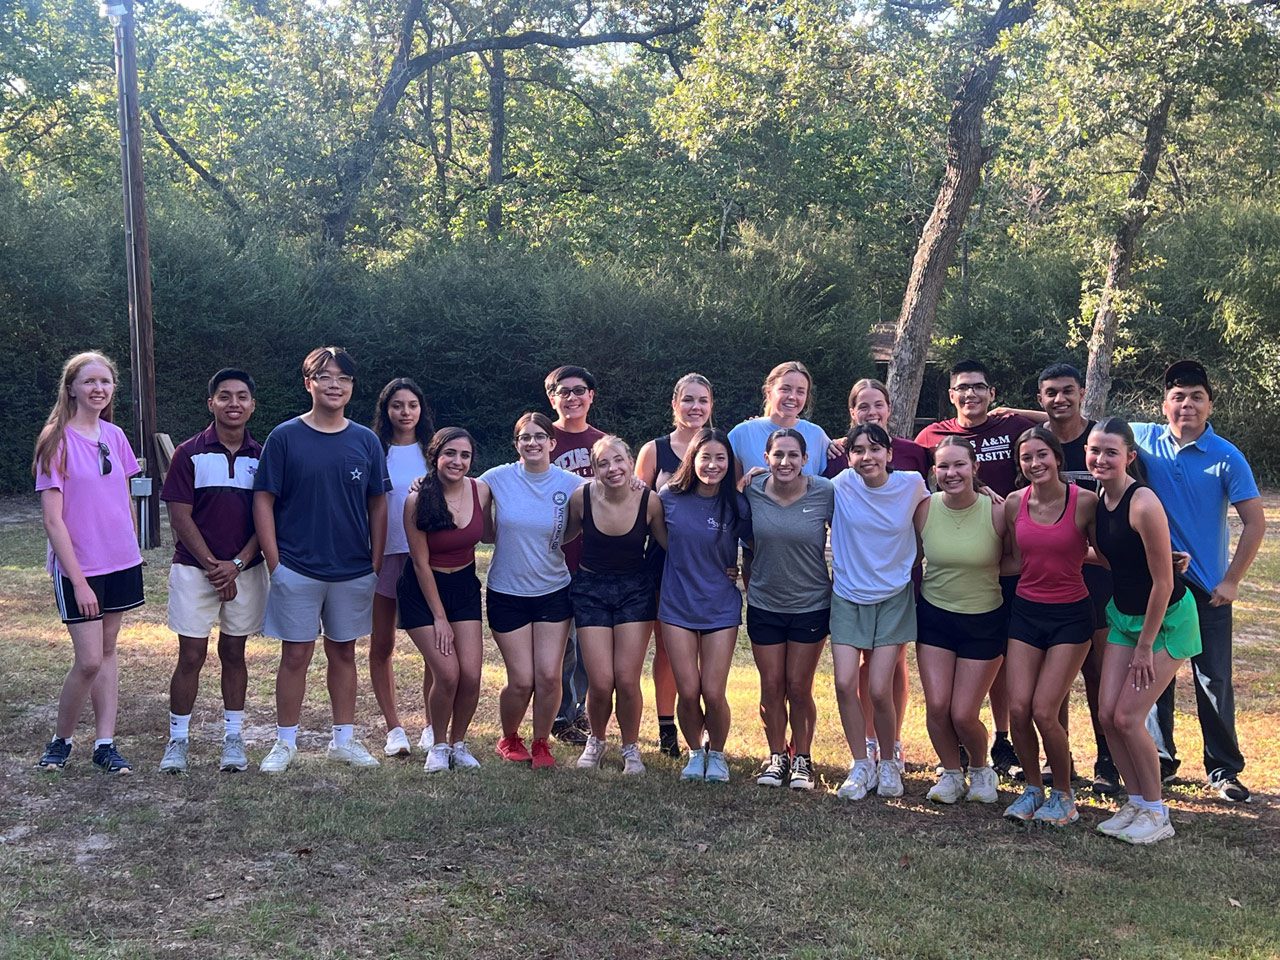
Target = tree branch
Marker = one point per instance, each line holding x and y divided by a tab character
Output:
196	167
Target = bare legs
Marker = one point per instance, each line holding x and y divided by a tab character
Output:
533	655
382	645
786	692
1038	683
192	653
291	680
453	695
1124	714
614	658
94	675
953	693
700	662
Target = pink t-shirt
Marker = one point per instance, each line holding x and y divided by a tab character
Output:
95	508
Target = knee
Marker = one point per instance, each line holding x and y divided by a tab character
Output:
600	688
773	689
799	689
1021	712
87	665
1045	716
961	719
521	687
938	713
714	697
231	654
192	660
1126	719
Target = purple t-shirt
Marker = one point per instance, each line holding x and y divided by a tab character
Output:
907	455
697	593
218	485
992	440
95	508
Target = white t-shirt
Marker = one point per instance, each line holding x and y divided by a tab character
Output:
873	541
404	465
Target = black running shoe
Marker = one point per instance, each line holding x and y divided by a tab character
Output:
669	740
1106	779
1169	769
1004	759
108	759
567	731
1232	789
55	754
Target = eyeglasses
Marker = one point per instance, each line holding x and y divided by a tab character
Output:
562	392
971	387
104	459
328	379
532	438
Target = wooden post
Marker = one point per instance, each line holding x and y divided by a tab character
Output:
137	262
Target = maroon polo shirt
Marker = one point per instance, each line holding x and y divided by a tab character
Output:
218	484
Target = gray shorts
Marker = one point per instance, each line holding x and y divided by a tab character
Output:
300	608
889	623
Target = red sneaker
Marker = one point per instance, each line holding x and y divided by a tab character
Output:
542	755
512	748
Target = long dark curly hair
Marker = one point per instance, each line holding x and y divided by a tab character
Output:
382	421
433	513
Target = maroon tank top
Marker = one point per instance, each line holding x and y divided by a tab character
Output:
457	547
1052	554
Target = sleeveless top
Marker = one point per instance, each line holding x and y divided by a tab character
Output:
1123	548
668	461
605	553
961	557
1052	554
457	547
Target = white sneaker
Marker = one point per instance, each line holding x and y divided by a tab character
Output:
428	738
1149	826
983	785
889	779
950	788
462	758
592	754
862	776
397	743
278	760
632	765
438	759
352	753
1115	825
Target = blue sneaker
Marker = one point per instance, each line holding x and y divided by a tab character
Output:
1059	810
107	759
1025	807
55	754
696	768
717	767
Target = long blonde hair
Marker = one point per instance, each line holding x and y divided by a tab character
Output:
780	371
49	443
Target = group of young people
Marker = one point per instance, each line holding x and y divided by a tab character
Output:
1040	554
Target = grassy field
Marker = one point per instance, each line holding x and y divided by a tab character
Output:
327	862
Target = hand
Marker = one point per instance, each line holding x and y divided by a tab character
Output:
227	592
637	484
223	573
752	474
444	636
1142	673
1224	593
417	484
836	449
734	573
1181	561
377	565
87	601
271	564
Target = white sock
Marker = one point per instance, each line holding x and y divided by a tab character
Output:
179	726
288	735
232	722
897	748
343	733
873	745
103	743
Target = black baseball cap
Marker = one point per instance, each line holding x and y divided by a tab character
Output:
1187	373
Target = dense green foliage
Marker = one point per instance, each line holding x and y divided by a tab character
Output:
747	191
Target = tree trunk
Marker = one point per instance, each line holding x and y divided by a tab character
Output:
497	140
1120	263
936	249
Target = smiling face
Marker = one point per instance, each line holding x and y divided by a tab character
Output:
1037	461
786	397
1060	399
534	444
971	395
954	468
613	465
711	463
330	388
571	399
404	411
454	460
1107	456
1188	410
93	387
691	407
232	404
870	406
870	460
786	460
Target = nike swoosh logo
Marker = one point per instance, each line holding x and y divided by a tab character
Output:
808	509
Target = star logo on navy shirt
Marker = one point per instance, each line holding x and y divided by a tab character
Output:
356	474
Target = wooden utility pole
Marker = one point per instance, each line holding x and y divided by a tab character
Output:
137	268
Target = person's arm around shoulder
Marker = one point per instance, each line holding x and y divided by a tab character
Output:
656	515
1004	515
1147	517
573	519
919	520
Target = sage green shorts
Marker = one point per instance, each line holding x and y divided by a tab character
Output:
1179	634
889	623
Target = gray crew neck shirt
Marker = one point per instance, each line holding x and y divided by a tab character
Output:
789	570
529	513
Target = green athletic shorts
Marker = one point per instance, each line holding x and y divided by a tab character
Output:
1179	633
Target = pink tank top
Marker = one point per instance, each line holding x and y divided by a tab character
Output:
1052	554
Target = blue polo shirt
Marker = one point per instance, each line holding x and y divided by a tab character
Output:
1196	483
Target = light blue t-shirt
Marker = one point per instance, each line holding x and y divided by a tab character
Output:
748	439
529	514
1196	483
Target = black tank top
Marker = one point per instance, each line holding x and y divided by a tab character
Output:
1122	546
668	462
604	553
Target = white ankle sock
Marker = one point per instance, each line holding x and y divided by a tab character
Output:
343	733
179	726
103	743
288	734
232	723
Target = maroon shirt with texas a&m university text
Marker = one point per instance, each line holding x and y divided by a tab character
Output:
992	440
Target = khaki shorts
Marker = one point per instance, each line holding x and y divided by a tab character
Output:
889	623
194	607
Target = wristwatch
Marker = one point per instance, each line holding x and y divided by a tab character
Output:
238	563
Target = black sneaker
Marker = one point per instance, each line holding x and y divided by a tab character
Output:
801	772
108	759
669	740
1232	789
964	762
1106	779
1004	759
55	754
1169	769
774	771
567	731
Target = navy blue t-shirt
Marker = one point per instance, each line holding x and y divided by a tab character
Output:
322	482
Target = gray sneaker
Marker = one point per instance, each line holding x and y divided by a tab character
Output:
234	759
175	756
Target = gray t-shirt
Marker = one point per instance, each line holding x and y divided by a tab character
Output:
789	570
530	510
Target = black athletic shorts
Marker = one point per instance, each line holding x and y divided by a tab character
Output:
767	628
608	599
1098	580
117	591
1045	625
970	636
509	612
459	592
